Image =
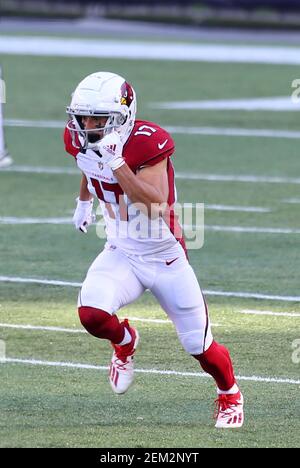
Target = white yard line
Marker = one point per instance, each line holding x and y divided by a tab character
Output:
179	175
292	201
209	131
238	209
26	123
73	365
138	50
15	220
234	229
234	132
41	328
13	279
275	104
42	170
17	326
145	320
238	178
268	312
247	295
250	229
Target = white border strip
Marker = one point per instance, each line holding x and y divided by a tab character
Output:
74	365
268	312
13	279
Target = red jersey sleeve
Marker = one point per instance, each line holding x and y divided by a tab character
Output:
148	144
69	147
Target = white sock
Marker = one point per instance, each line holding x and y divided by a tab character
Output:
127	338
231	391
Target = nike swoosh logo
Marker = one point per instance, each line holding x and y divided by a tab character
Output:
174	260
162	145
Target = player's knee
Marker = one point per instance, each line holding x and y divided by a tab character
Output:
192	341
93	320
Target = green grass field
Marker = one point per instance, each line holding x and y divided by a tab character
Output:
57	406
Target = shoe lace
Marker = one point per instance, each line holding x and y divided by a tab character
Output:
224	403
120	364
124	351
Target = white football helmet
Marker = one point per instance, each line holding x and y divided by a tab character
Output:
101	94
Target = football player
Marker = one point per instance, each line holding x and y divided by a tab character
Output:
126	164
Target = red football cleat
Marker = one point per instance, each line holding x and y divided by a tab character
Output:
229	411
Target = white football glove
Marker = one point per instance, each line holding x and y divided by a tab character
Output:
83	215
111	149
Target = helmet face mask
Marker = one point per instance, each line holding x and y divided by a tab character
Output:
87	138
101	94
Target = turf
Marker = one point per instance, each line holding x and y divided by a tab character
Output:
55	406
44	406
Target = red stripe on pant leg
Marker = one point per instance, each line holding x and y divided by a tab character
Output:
101	324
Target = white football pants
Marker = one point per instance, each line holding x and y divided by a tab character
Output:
116	279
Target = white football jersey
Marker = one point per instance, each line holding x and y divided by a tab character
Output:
126	225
